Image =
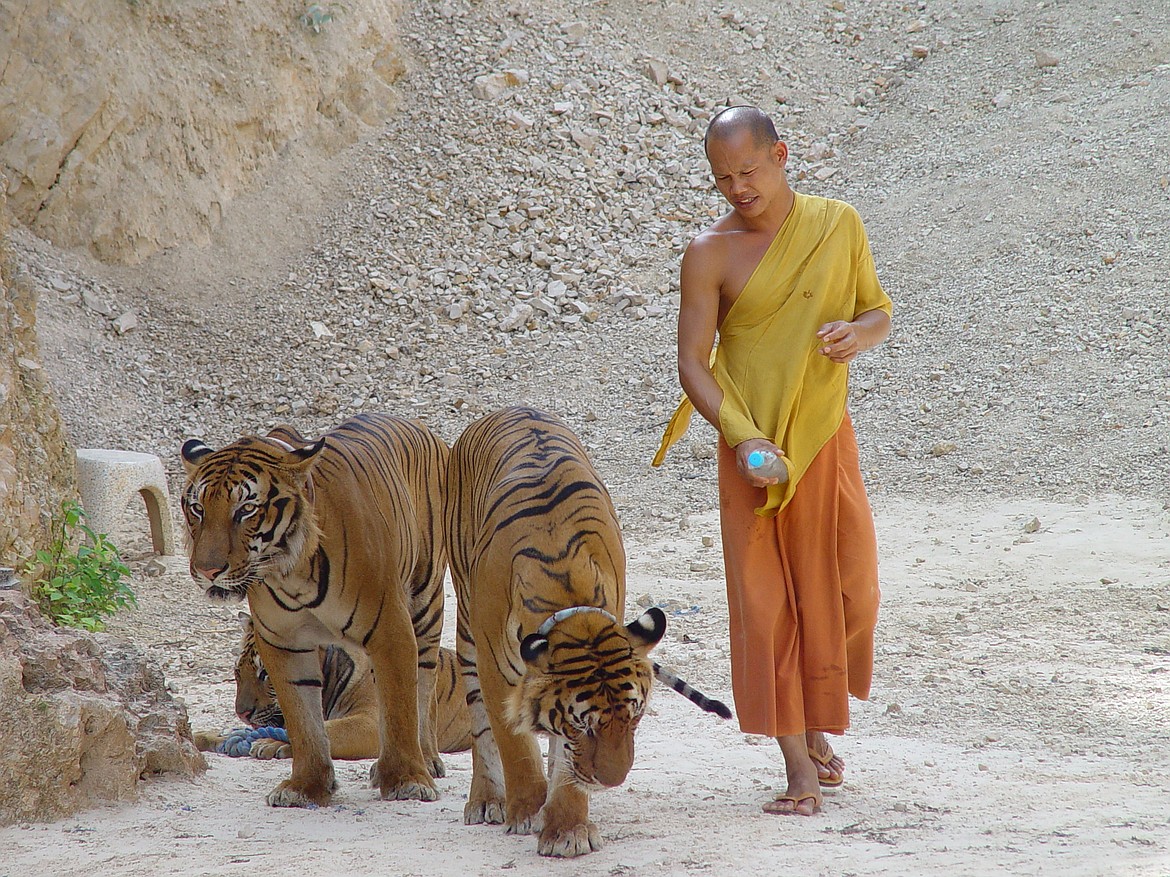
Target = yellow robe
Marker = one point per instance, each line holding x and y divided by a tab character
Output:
776	385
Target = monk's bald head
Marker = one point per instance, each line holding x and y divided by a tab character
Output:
734	121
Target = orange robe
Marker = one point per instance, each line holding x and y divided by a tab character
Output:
802	592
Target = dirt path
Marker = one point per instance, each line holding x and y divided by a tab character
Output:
1018	720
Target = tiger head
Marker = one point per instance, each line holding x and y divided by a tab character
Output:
256	702
248	510
587	680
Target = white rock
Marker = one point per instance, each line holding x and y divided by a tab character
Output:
518	120
587	140
656	71
320	330
517	318
126	323
575	30
95	303
1045	59
492	86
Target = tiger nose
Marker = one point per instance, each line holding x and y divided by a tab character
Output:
210	573
245	715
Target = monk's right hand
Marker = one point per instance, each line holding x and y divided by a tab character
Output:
744	449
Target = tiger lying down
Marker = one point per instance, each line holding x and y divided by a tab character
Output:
539	571
348	700
336	540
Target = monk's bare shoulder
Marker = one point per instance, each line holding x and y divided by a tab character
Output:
710	249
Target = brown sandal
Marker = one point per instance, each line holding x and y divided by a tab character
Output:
831	781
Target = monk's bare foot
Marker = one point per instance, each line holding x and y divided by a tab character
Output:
830	766
803	795
794	805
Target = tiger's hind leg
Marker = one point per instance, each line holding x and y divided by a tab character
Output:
427	619
296	676
400	772
353	736
486	801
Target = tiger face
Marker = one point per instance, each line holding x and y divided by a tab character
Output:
256	703
247	509
586	684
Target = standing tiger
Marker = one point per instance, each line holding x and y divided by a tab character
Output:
539	571
349	703
336	540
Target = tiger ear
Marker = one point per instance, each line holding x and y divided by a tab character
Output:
647	629
533	648
301	459
192	452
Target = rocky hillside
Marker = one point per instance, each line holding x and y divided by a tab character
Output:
129	127
36	464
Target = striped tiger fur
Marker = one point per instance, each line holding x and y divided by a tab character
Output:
539	572
335	540
349	702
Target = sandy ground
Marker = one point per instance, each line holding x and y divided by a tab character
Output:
1018	726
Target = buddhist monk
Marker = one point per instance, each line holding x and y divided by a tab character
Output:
787	282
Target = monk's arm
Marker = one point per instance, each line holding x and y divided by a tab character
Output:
843	339
698	318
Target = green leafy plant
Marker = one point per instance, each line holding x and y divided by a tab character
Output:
80	577
315	15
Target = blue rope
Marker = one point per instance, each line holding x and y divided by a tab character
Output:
239	742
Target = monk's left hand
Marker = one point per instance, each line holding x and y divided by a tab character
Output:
841	343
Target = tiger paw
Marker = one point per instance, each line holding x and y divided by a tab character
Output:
525	814
565	843
436	768
208	741
316	795
489	811
419	787
267	749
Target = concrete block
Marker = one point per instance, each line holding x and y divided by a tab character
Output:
107	480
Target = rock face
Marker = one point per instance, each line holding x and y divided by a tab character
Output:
36	463
129	127
82	718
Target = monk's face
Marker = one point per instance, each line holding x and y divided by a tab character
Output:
750	175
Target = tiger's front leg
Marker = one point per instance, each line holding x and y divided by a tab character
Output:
519	754
296	676
567	831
